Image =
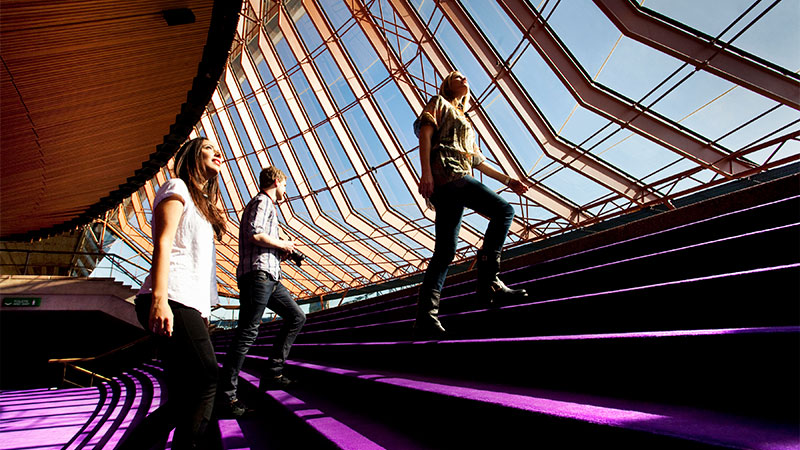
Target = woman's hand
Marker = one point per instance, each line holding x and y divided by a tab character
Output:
161	318
517	186
426	185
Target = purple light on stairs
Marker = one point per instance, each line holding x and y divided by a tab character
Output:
629	335
49	421
232	436
340	434
687	423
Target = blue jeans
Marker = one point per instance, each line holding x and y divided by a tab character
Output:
450	200
258	290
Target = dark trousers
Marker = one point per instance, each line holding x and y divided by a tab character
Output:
450	200
191	372
257	291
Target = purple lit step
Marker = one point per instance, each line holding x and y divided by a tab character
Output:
686	423
74	418
232	436
44	419
335	431
561	299
628	335
338	433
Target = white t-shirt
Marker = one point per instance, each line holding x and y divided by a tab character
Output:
193	261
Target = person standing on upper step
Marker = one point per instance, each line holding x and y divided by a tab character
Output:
448	153
258	275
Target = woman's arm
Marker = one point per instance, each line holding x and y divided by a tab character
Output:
426	182
165	224
516	185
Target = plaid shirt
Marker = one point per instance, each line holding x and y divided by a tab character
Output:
259	216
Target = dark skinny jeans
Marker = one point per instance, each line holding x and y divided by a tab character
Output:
191	371
257	291
450	200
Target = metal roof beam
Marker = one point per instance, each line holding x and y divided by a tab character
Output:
401	224
703	52
613	106
539	194
568	155
406	86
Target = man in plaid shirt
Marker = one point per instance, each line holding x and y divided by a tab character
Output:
258	275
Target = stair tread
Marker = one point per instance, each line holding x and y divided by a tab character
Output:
322	420
690	423
574	337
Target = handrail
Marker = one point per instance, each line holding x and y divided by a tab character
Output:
63	252
94	358
69	362
116	261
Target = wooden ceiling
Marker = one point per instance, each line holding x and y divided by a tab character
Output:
88	92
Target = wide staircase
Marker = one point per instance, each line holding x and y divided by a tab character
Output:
678	330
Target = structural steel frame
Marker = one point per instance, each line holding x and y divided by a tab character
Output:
392	243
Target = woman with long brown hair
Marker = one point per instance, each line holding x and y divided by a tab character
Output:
175	300
448	153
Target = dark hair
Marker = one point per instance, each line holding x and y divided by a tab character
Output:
270	175
205	197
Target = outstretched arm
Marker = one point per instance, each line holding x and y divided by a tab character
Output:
516	185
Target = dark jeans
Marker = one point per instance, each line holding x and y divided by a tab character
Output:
191	372
258	290
450	200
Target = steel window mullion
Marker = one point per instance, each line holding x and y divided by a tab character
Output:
273	62
634	22
573	158
401	224
405	85
539	194
613	106
274	126
233	141
245	115
371	111
317	86
225	172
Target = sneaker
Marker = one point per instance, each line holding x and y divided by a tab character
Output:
274	383
233	409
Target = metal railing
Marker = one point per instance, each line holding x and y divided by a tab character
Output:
71	268
71	363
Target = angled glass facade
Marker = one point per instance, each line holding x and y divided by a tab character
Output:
604	106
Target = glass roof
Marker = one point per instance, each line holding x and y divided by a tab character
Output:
599	104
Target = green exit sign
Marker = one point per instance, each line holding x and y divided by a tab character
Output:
22	301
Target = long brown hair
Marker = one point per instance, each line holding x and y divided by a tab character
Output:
449	95
205	197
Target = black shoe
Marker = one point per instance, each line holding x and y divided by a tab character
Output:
232	409
274	383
